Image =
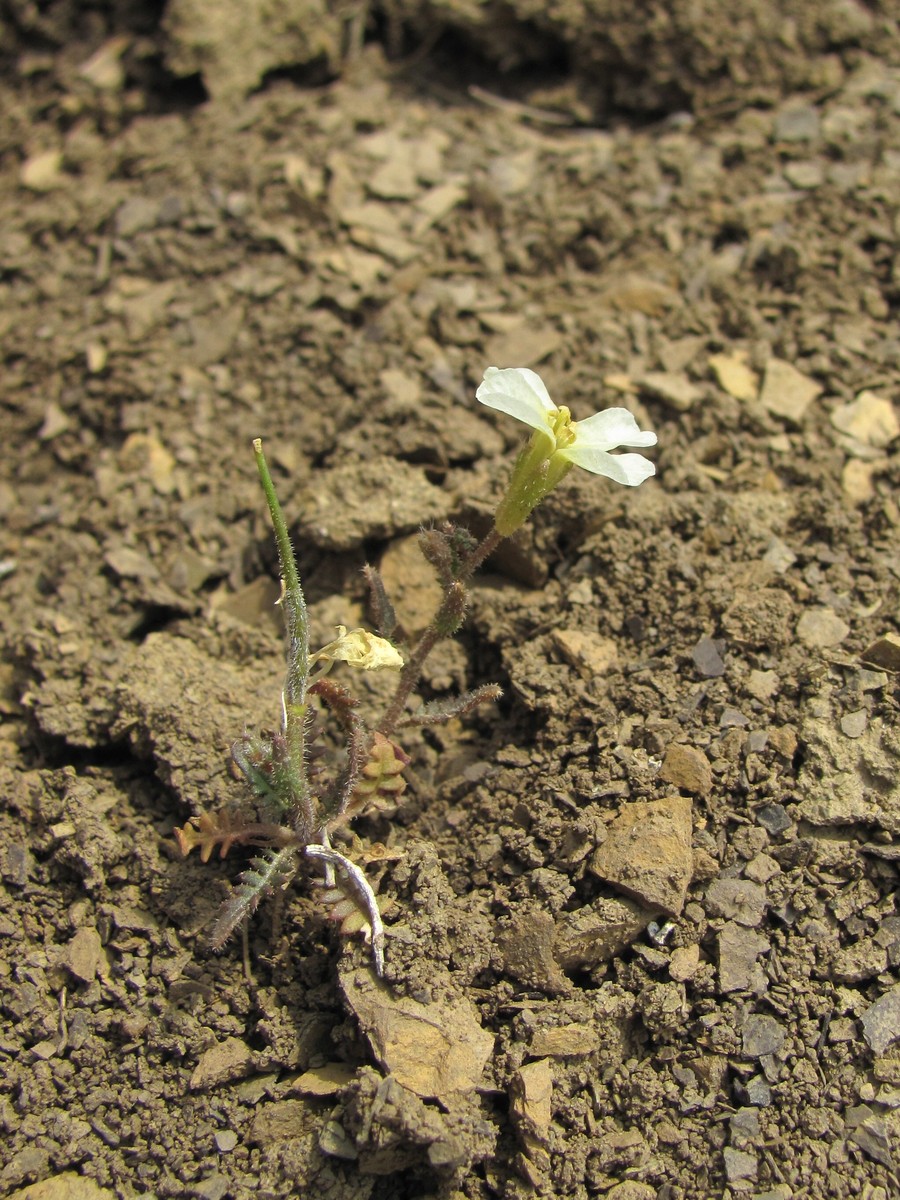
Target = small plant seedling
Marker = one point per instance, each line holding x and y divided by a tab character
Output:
298	804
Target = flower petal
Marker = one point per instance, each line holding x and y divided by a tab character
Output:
518	392
630	469
611	428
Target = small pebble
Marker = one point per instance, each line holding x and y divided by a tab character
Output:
738	900
853	724
881	1021
226	1140
688	768
774	818
745	1122
821	627
762	868
734	376
675	390
755	1091
757	741
786	392
884	653
739	1165
761	1035
779	556
797	123
17	864
739	949
872	681
869	419
762	685
82	955
708	659
804	175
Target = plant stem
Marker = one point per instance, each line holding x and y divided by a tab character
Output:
296	625
412	670
482	551
292	600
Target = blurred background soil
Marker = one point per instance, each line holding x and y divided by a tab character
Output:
643	941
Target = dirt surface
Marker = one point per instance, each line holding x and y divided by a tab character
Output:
642	929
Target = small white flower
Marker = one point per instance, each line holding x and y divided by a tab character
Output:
521	394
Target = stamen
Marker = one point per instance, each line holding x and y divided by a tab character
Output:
562	425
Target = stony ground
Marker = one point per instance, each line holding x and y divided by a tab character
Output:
642	929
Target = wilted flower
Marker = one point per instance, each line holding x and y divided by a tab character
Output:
559	443
360	649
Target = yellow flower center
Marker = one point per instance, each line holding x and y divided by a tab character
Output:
562	427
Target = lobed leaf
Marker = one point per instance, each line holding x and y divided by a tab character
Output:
267	873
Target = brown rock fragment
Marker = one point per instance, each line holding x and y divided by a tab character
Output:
859	962
143	454
67	1186
590	654
884	653
684	962
858	482
434	1050
280	1120
734	375
870	419
565	1041
618	1151
530	1093
786	392
410	582
227	1060
631	1189
783	740
705	866
327	1080
526	947
388	1128
881	1027
820	627
739	948
595	933
739	900
760	616
352	502
647	853
83	954
711	1071
672	388
687	768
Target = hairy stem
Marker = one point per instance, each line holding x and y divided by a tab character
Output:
482	551
296	625
412	670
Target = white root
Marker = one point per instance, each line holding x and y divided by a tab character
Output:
363	894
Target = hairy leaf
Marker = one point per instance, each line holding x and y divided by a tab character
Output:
267	873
